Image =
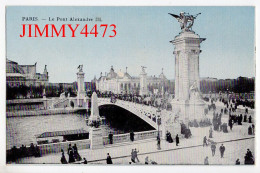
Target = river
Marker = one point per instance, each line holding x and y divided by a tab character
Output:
22	130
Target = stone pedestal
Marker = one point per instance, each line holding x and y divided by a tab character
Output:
174	129
81	89
143	83
95	134
171	125
96	137
187	101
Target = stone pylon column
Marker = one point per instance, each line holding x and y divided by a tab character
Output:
143	82
81	87
95	133
187	99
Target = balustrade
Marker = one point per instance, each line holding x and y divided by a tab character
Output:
126	137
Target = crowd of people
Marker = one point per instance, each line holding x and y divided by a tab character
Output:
15	153
72	153
249	159
150	100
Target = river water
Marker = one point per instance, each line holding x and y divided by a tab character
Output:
22	130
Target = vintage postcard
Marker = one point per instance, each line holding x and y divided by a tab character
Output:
130	85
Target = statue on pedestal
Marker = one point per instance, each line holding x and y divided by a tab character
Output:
143	69
80	67
185	19
194	92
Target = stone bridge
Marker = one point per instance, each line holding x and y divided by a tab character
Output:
146	113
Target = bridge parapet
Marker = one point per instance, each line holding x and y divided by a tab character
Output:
138	136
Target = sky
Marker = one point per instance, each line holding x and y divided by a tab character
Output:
143	39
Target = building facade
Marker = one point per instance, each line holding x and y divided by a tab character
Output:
123	83
17	75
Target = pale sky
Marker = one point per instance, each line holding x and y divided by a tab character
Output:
143	35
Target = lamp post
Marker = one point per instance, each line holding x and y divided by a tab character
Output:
158	123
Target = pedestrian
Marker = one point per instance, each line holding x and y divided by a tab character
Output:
177	140
249	159
76	154
213	149
37	151
85	161
146	160
237	162
135	155
132	136
222	150
249	153
205	141
250	130
210	133
110	137
71	155
250	119
158	142
32	150
245	118
206	161
109	159
230	123
167	136
63	159
253	129
170	138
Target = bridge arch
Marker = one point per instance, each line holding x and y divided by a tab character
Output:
138	110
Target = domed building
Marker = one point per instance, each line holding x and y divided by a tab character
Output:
124	83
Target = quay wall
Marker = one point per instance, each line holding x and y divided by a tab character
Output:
85	144
46	149
41	112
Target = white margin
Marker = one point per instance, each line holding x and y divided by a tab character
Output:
93	169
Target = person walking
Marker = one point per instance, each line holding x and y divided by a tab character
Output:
213	149
205	141
76	154
71	155
135	155
132	136
158	142
146	160
206	161
230	123
250	119
222	150
210	133
177	140
109	159
250	131
63	159
110	137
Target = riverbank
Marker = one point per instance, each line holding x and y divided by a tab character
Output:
169	153
43	112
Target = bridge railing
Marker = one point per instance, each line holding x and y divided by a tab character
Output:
138	109
56	147
126	137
